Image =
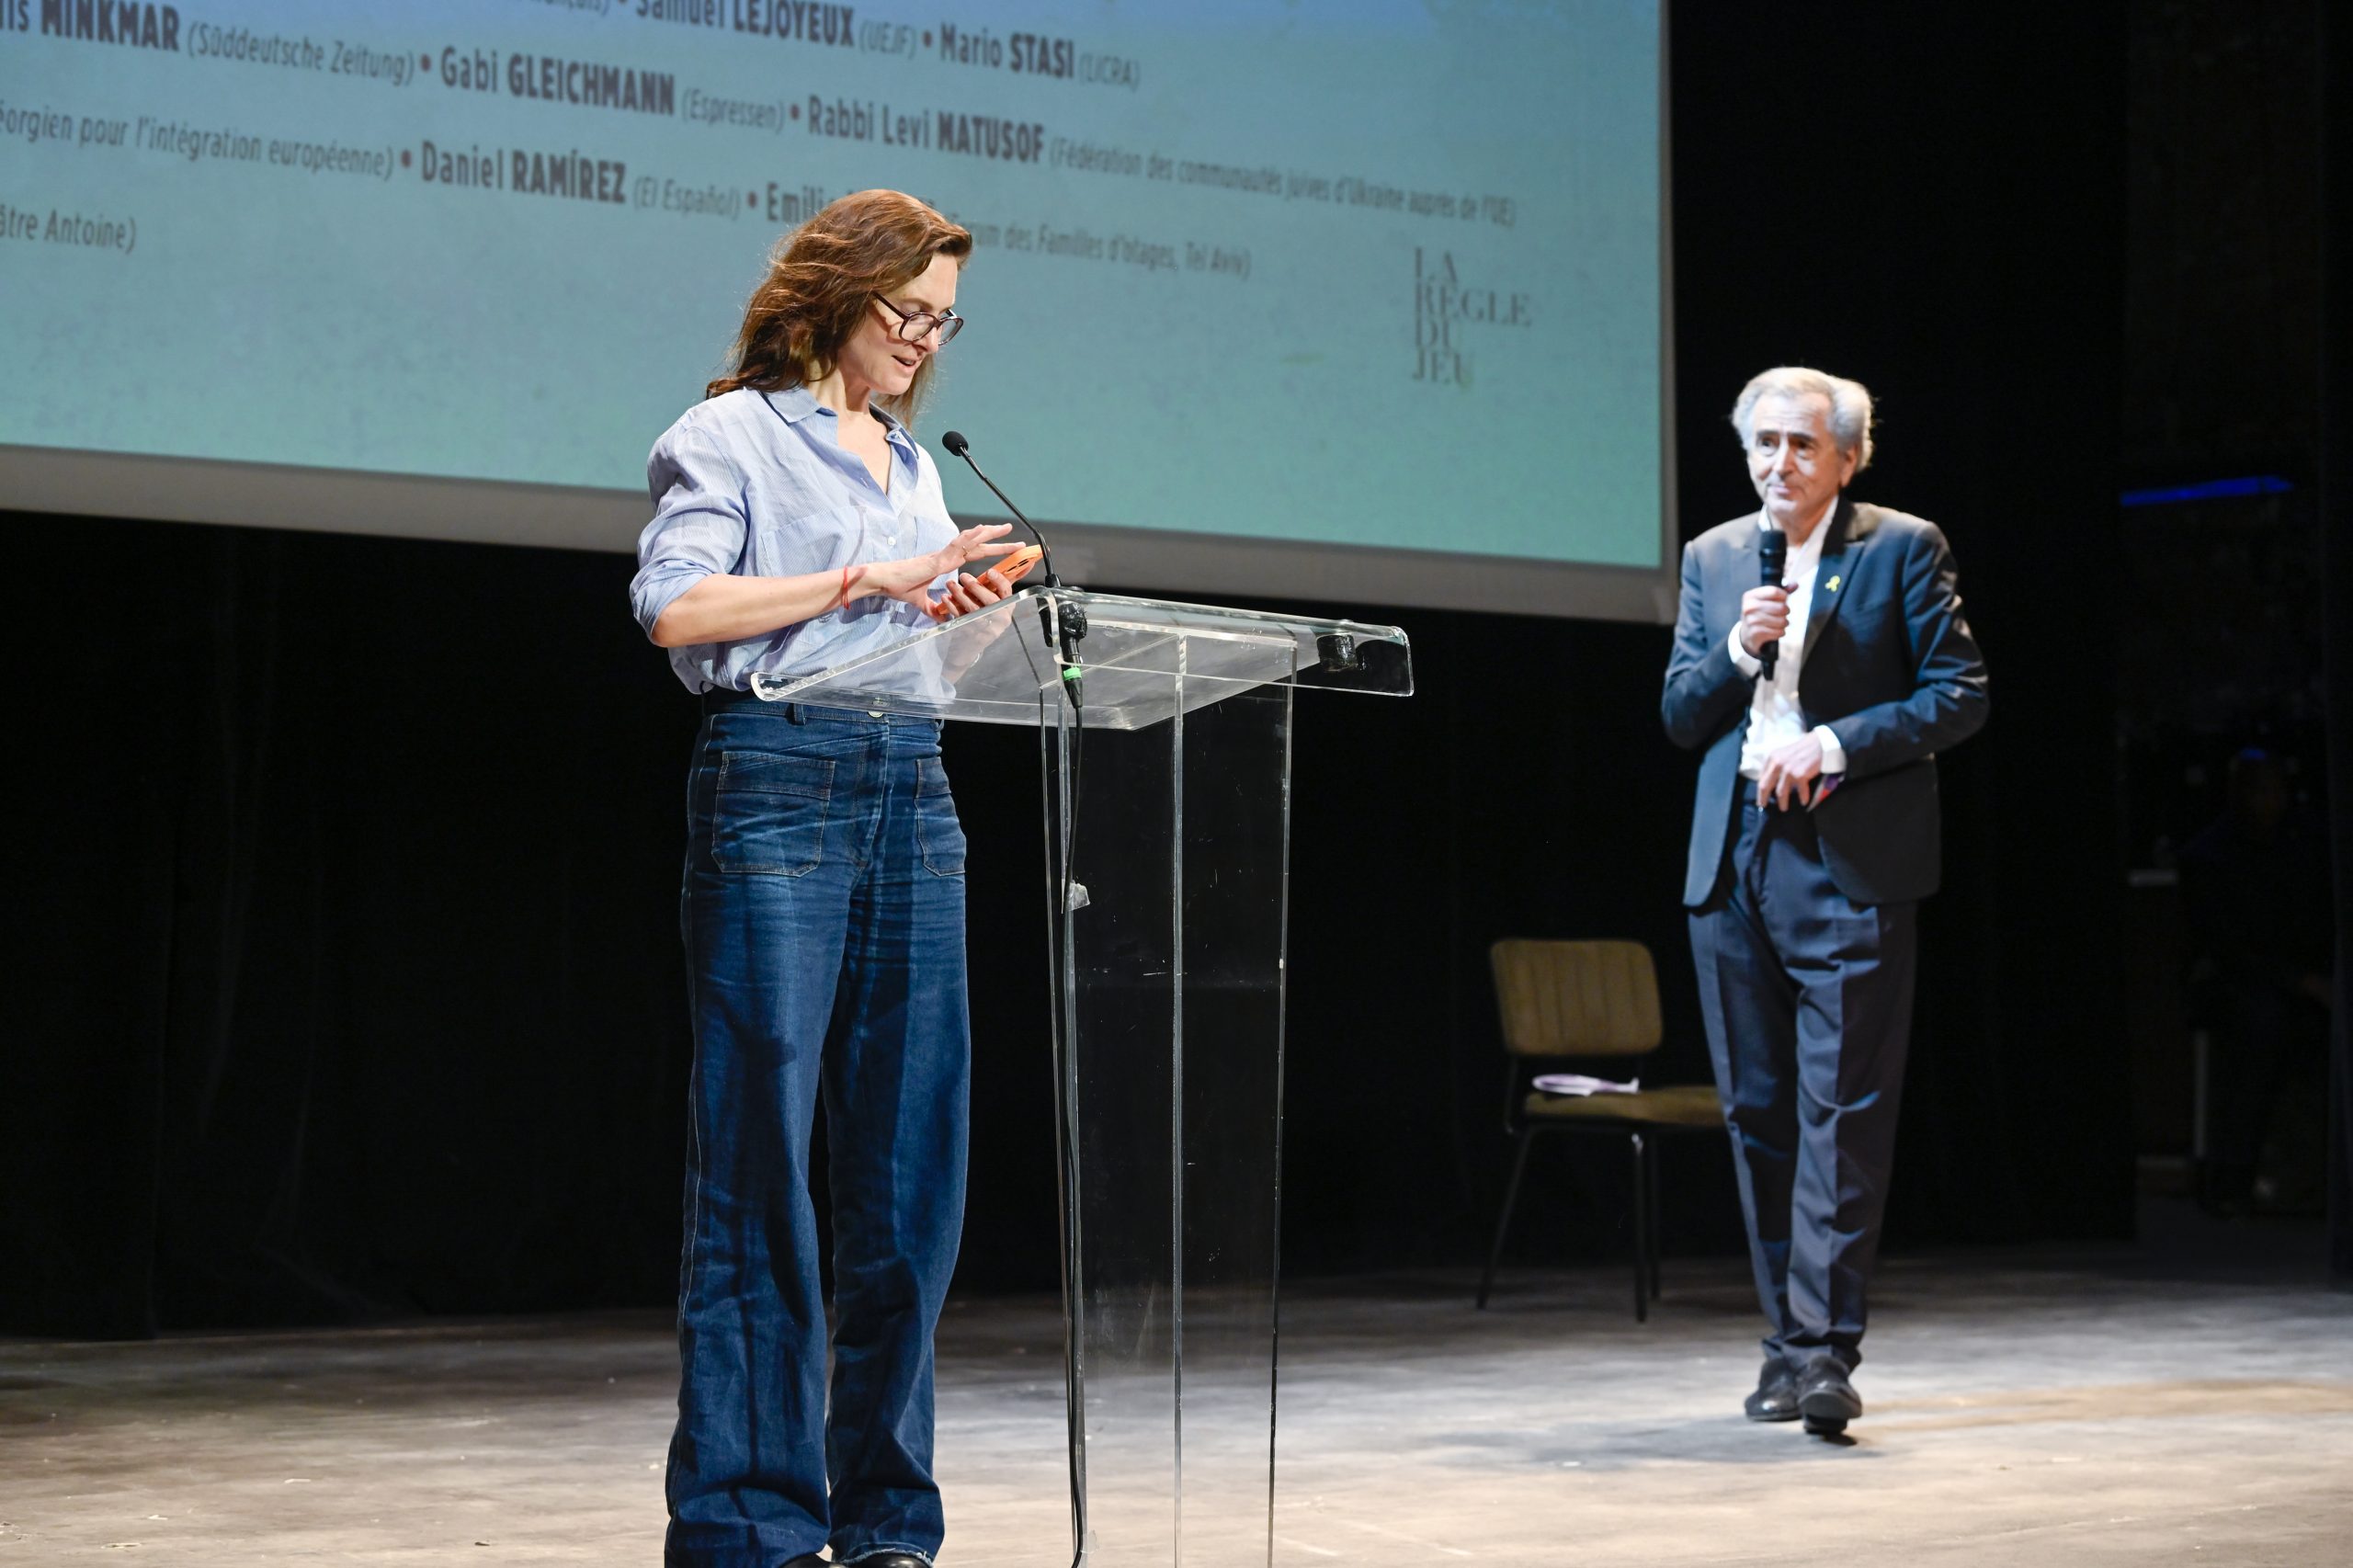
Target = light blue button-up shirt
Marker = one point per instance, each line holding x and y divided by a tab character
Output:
759	484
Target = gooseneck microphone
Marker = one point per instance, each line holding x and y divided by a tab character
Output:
1772	560
1063	624
959	448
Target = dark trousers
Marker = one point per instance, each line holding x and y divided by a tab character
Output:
1807	997
824	925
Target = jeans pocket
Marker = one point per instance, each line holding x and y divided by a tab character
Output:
940	834
769	813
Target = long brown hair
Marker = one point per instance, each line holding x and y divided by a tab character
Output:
822	281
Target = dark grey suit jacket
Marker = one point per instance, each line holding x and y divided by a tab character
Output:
1890	666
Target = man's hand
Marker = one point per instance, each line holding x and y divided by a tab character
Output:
1764	618
1794	768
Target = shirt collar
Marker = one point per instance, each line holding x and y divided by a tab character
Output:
793	404
797	404
1811	549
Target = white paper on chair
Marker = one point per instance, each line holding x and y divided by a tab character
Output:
1578	1083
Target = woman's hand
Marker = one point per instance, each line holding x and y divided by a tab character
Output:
967	593
910	581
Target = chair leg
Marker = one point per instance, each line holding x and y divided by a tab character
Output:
1658	1223
1503	1221
1641	1235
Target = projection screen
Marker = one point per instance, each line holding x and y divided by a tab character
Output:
1347	300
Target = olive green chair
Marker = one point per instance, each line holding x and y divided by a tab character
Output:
1589	1001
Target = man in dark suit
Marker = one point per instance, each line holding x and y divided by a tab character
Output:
1813	837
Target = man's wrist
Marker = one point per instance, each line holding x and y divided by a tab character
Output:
1833	754
1744	661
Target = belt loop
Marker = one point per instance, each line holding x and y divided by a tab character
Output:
795	714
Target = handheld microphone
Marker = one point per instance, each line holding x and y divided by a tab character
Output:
1065	624
1772	560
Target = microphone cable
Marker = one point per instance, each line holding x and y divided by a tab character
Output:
1063	625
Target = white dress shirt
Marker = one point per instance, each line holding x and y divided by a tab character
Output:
1774	716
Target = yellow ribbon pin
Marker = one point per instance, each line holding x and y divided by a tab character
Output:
1834	582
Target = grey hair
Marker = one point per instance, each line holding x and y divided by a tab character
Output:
1852	418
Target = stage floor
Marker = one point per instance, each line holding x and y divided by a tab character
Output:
2022	1410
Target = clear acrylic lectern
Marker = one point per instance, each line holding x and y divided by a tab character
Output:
1167	750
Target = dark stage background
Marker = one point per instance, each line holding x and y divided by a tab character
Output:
346	980
2334	397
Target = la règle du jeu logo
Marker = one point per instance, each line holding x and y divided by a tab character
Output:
1447	311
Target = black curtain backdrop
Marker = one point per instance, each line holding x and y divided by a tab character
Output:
2336	177
348	981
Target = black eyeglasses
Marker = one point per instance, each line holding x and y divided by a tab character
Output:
916	325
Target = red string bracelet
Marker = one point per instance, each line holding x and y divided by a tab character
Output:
845	604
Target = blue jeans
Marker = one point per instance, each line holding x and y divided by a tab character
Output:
824	915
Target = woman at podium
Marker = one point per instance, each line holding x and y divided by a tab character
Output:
798	526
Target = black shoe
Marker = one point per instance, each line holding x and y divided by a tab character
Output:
886	1560
1827	1399
808	1560
1776	1398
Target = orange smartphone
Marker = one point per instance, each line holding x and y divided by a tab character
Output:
1016	566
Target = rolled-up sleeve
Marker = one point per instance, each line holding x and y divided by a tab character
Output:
699	523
